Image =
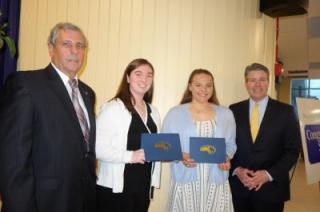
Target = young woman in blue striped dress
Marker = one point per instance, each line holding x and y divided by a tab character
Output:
200	187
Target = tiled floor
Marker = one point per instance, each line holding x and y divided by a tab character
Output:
304	198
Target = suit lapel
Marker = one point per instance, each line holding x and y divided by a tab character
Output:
246	120
61	92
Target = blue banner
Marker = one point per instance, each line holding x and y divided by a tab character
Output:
312	133
10	10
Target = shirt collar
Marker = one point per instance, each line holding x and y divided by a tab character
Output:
262	102
62	75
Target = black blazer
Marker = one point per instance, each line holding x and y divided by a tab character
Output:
276	149
43	160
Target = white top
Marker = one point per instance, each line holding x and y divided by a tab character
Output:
113	124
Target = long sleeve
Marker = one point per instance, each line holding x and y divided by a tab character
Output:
17	121
291	146
111	136
230	134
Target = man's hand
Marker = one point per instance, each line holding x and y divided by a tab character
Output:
245	176
252	179
259	178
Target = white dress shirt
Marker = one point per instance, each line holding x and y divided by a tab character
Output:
65	80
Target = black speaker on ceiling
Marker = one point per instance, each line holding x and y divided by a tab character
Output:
279	8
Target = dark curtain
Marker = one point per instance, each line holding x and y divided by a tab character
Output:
10	10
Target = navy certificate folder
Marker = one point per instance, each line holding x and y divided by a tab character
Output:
161	146
208	150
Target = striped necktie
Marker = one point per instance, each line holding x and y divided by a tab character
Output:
254	122
80	114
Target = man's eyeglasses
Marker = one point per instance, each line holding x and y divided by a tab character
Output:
70	44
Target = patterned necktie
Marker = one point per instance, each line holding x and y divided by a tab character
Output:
81	116
254	122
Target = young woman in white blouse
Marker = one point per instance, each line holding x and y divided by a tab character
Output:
125	180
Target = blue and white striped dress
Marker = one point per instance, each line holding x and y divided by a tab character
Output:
200	195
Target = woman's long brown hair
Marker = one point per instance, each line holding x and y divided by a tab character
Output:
187	96
124	93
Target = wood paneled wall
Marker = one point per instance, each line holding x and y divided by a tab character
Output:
176	36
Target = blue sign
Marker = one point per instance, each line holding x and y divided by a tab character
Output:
313	142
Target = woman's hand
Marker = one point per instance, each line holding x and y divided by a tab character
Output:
138	156
187	161
225	166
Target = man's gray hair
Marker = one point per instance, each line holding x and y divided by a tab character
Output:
63	26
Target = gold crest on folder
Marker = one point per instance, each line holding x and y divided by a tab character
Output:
163	145
208	148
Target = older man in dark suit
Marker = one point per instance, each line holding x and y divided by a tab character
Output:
47	133
268	145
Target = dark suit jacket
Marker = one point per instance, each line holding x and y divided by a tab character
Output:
276	149
43	161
